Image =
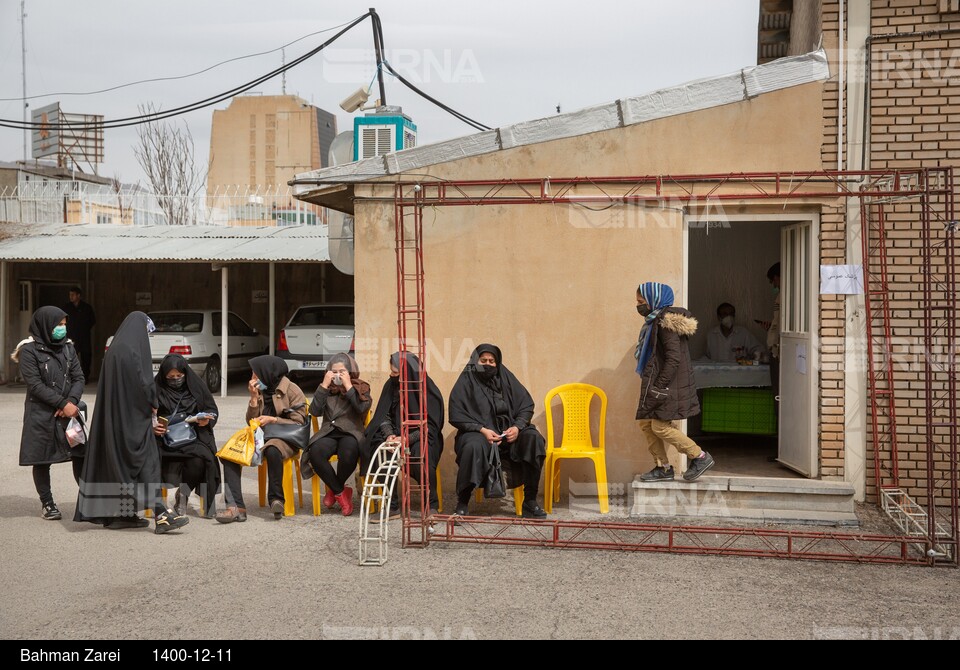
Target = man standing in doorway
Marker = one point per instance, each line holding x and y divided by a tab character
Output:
80	321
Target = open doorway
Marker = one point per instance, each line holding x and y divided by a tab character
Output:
742	423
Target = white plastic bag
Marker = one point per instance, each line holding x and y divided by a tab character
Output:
257	447
76	435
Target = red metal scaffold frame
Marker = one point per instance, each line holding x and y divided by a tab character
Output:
933	188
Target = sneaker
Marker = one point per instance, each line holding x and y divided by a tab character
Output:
277	508
232	514
169	521
461	510
51	512
698	466
658	474
531	510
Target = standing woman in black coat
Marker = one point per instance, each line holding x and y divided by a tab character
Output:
51	369
194	466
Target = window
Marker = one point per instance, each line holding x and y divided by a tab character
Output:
237	326
321	315
177	322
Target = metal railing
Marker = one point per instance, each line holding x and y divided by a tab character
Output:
74	202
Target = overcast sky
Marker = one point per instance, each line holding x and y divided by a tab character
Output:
496	61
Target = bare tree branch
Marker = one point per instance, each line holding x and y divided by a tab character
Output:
166	154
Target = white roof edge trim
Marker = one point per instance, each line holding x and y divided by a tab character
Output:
693	96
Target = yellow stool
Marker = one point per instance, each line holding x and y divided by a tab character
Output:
291	469
517	499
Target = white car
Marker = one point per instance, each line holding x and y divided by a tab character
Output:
195	335
314	334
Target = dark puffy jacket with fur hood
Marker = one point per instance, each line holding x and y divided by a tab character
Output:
668	391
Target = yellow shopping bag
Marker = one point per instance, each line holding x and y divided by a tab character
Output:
242	446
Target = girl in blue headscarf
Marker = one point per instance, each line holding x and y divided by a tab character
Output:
668	392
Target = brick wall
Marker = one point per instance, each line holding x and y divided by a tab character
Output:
914	121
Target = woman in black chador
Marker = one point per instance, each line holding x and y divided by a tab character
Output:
385	425
193	466
121	471
51	370
491	409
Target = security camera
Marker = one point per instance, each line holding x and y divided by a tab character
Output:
355	101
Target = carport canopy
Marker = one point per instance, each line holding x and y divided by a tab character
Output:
220	246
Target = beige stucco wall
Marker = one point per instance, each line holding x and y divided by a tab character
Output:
554	286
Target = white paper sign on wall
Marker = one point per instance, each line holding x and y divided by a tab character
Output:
841	280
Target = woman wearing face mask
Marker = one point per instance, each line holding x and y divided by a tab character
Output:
51	370
491	409
273	399
386	423
667	392
194	466
121	470
342	400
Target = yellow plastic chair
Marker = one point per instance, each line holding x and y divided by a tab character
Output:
577	441
517	497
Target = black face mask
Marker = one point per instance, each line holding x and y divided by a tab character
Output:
487	371
177	384
644	310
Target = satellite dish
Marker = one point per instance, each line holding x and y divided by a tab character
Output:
340	241
341	149
340	225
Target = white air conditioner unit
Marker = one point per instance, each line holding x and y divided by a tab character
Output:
377	140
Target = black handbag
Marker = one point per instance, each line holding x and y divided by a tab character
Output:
179	433
294	434
494	486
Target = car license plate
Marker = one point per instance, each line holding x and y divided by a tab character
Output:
315	365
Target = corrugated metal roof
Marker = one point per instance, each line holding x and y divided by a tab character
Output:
111	243
690	97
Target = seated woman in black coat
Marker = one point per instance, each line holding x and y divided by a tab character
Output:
342	400
491	409
194	466
386	424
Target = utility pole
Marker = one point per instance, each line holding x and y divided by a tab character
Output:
378	48
23	65
283	76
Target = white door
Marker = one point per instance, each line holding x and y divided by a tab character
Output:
798	373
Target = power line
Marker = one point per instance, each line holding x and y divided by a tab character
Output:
184	109
175	78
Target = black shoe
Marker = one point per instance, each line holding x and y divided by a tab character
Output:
698	466
169	521
122	522
277	508
51	512
461	509
180	504
658	474
531	510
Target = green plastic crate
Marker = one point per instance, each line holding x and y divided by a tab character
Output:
749	411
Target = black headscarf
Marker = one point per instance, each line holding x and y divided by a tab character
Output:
270	370
192	398
121	446
44	321
472	402
388	407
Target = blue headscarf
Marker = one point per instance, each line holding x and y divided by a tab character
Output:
659	297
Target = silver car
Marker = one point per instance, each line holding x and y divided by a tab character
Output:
314	334
195	334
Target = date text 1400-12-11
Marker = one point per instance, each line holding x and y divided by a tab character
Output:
196	655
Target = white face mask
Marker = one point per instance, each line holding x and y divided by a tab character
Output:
727	322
